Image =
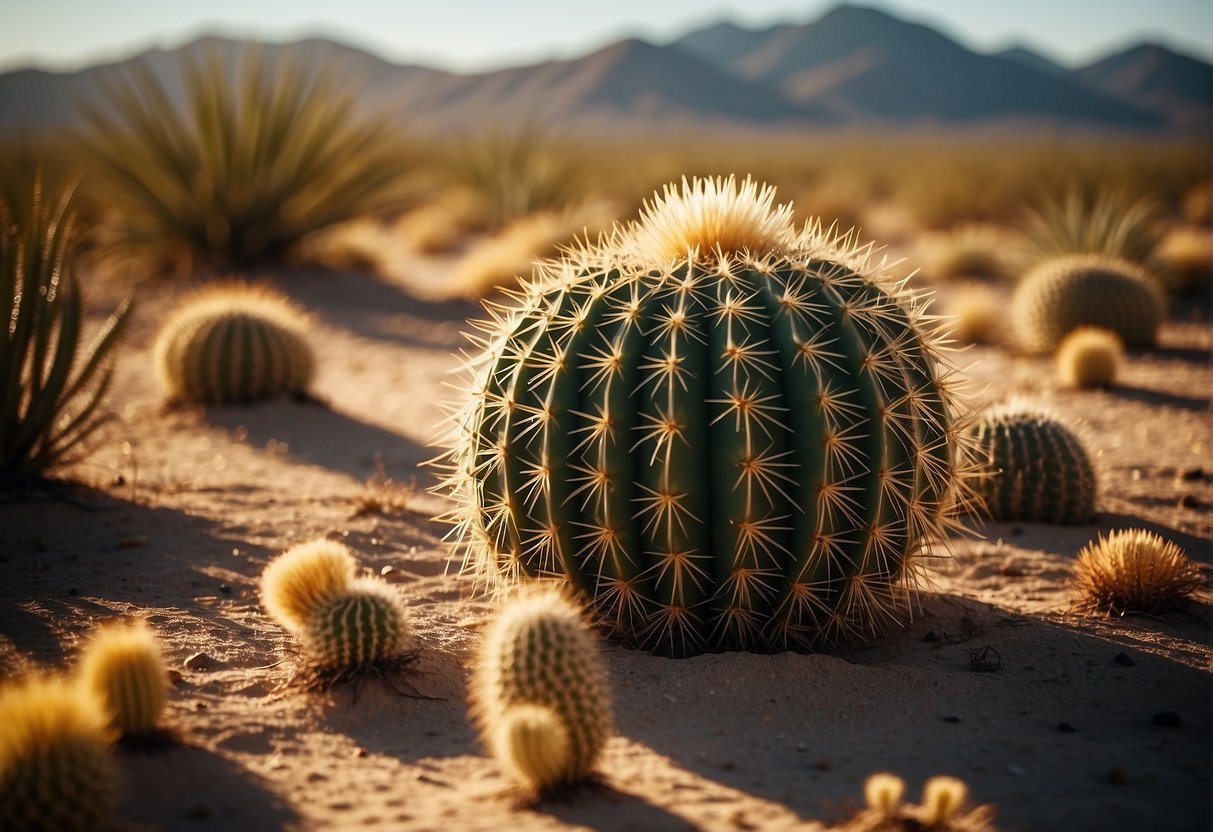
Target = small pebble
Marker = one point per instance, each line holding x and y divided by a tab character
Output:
175	677
133	542
359	752
823	765
1191	501
1117	776
1167	719
71	591
1015	770
1125	659
1192	473
198	813
226	589
200	661
1066	728
952	719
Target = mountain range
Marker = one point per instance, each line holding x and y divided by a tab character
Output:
853	67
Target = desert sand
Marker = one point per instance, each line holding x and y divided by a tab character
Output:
179	510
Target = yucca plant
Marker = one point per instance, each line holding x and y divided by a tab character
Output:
1093	222
255	157
52	387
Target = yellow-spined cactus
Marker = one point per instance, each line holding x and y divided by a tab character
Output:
1134	570
56	770
124	667
1089	357
944	808
234	342
540	692
344	622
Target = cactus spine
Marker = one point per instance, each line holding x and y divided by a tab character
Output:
124	668
1032	467
540	692
1134	570
724	432
1065	293
343	621
56	771
234	342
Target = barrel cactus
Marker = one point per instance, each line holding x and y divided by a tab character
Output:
344	622
1061	295
234	342
1032	467
1089	357
540	692
56	770
123	666
724	432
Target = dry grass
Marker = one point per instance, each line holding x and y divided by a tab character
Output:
1134	571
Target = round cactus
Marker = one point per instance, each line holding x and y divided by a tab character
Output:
724	432
1032	467
56	771
1065	293
540	692
234	342
1089	357
123	666
1134	570
344	622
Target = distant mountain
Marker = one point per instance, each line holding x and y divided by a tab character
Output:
1030	57
873	67
852	67
1156	79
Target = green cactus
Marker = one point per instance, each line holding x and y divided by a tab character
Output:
725	433
344	622
234	342
1065	293
540	692
56	770
123	666
1033	467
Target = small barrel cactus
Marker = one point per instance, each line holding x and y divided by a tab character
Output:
234	342
1089	357
1065	293
123	666
56	770
1134	571
1032	467
344	622
540	692
725	432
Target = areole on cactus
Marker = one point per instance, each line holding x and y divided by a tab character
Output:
724	431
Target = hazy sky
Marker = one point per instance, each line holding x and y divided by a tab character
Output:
480	34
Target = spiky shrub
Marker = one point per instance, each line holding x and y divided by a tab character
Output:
1108	223
52	385
259	153
232	342
540	693
1032	467
56	772
124	667
1134	570
1089	357
943	808
724	433
343	621
1061	295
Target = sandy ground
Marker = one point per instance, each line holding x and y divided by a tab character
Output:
181	511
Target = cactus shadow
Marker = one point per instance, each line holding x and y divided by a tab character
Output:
187	787
315	433
599	805
1144	395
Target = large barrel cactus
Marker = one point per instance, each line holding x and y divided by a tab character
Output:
1086	290
724	432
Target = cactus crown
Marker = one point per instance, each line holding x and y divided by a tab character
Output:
540	692
234	341
123	666
344	622
56	771
741	450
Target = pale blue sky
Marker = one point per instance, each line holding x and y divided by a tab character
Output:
483	34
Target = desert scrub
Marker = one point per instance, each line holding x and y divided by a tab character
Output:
53	384
972	251
943	807
1032	467
1063	294
975	314
345	623
234	342
724	432
56	769
1089	357
1111	224
540	695
123	667
253	159
1134	570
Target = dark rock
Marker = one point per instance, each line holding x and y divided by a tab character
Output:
1125	659
1167	719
